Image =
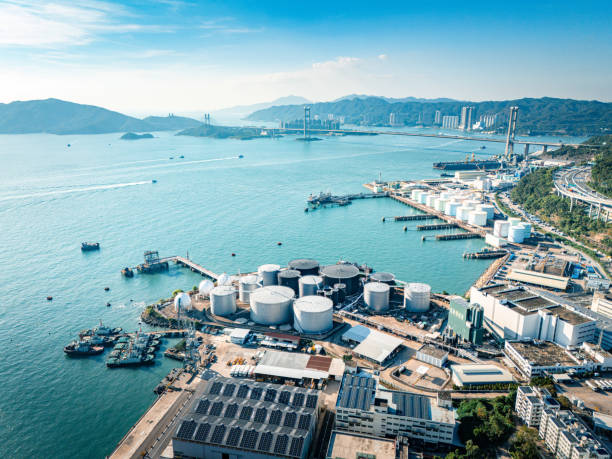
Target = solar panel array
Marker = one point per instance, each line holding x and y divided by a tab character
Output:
357	392
234	436
186	430
218	434
251	416
281	444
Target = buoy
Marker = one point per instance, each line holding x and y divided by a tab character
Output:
405	228
233	254
279	243
106	289
49	298
383	219
108	304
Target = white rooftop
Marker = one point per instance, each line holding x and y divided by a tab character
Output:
377	346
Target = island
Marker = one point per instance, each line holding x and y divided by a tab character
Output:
133	136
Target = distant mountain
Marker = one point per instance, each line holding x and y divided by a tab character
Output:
56	116
393	100
240	111
536	116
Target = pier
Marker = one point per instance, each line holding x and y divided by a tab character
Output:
485	254
196	268
436	226
408	218
322	199
452	237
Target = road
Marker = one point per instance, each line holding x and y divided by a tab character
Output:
572	183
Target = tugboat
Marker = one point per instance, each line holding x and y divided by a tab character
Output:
240	156
127	272
153	181
81	348
89	246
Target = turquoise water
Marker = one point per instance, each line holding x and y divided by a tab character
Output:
208	204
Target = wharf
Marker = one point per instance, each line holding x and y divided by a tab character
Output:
196	268
436	226
452	237
409	218
485	254
322	199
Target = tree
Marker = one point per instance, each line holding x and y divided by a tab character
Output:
524	446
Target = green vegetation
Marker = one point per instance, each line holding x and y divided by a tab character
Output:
537	116
524	445
132	136
223	132
176	292
504	208
484	425
180	346
534	193
347	357
544	381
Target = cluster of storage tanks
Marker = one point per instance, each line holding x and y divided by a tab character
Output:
304	294
512	229
456	204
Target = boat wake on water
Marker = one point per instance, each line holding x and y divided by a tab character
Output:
76	190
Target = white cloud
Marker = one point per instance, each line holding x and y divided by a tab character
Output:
38	23
383	57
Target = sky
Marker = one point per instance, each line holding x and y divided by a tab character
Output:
160	56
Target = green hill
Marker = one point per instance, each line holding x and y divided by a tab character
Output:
56	116
536	116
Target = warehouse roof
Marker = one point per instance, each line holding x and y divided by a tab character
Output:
536	278
295	366
258	417
433	351
378	346
357	391
480	374
569	316
357	333
344	444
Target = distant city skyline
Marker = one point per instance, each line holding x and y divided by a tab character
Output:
181	56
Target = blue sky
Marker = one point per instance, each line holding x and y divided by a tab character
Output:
152	56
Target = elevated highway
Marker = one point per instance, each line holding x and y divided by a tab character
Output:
572	183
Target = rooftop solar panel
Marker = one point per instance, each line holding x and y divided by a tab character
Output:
290	419
298	400
231	410
229	390
215	389
281	444
284	397
216	408
202	432
275	417
304	423
234	436
249	439
246	412
260	415
256	393
203	407
265	441
270	395
296	446
311	401
243	390
186	430
218	434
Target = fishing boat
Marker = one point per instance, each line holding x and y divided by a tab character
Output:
82	348
89	246
127	272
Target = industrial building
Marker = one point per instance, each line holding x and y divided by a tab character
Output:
280	341
602	304
298	368
531	402
599	355
535	358
366	408
513	313
466	320
239	335
567	437
245	420
548	272
313	314
350	445
432	355
372	345
479	374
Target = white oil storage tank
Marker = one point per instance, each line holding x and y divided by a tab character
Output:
500	228
489	209
441	204
477	218
423	197
310	285
416	297
271	305
414	194
223	300
182	301
376	296
463	213
306	266
269	274
526	229
516	234
430	199
246	285
451	208
313	314
343	273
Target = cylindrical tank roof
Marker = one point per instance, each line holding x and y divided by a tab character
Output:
289	273
341	271
376	287
303	263
311	280
313	303
268	268
272	294
249	279
223	290
382	277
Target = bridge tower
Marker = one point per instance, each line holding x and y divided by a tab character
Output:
511	132
306	122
